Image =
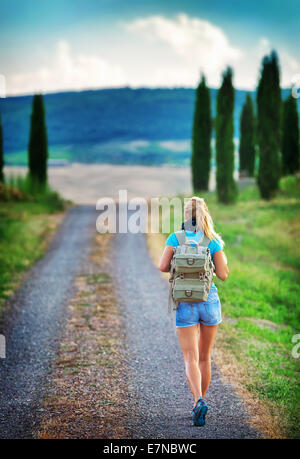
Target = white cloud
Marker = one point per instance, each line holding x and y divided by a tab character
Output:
290	67
67	72
198	44
157	52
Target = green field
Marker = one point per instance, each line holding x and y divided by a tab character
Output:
20	158
261	295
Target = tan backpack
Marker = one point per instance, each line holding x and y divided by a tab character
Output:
191	273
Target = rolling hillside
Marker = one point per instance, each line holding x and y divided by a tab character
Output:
119	126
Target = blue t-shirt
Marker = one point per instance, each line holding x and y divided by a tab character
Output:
214	245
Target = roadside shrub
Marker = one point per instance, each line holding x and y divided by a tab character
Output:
8	193
28	189
290	185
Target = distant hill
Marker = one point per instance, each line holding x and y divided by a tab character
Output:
123	125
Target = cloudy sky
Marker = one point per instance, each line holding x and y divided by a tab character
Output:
53	45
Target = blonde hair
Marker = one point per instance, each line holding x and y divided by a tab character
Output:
196	208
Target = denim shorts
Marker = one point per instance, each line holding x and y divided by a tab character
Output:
207	312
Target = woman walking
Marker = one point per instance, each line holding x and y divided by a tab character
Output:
203	317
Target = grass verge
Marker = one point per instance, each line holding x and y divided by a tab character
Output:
27	224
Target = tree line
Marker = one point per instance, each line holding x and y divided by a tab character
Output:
269	138
37	145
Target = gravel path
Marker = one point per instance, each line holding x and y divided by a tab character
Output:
35	323
160	400
160	396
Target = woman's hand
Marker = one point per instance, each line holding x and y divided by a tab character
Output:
165	261
220	262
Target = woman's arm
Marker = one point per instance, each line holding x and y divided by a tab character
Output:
165	261
220	262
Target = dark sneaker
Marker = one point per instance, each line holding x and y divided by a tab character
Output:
199	413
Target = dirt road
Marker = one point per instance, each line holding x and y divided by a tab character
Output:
159	397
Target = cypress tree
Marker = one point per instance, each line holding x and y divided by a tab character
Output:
226	186
1	154
37	148
247	146
290	137
268	113
201	140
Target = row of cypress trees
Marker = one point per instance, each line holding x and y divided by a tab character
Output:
273	134
37	146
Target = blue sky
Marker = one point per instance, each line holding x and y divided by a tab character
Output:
78	44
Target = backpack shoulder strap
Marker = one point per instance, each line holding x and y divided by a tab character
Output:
181	237
205	241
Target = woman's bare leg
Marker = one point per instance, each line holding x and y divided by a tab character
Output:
206	341
188	338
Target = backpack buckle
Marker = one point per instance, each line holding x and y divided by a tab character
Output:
188	292
190	261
